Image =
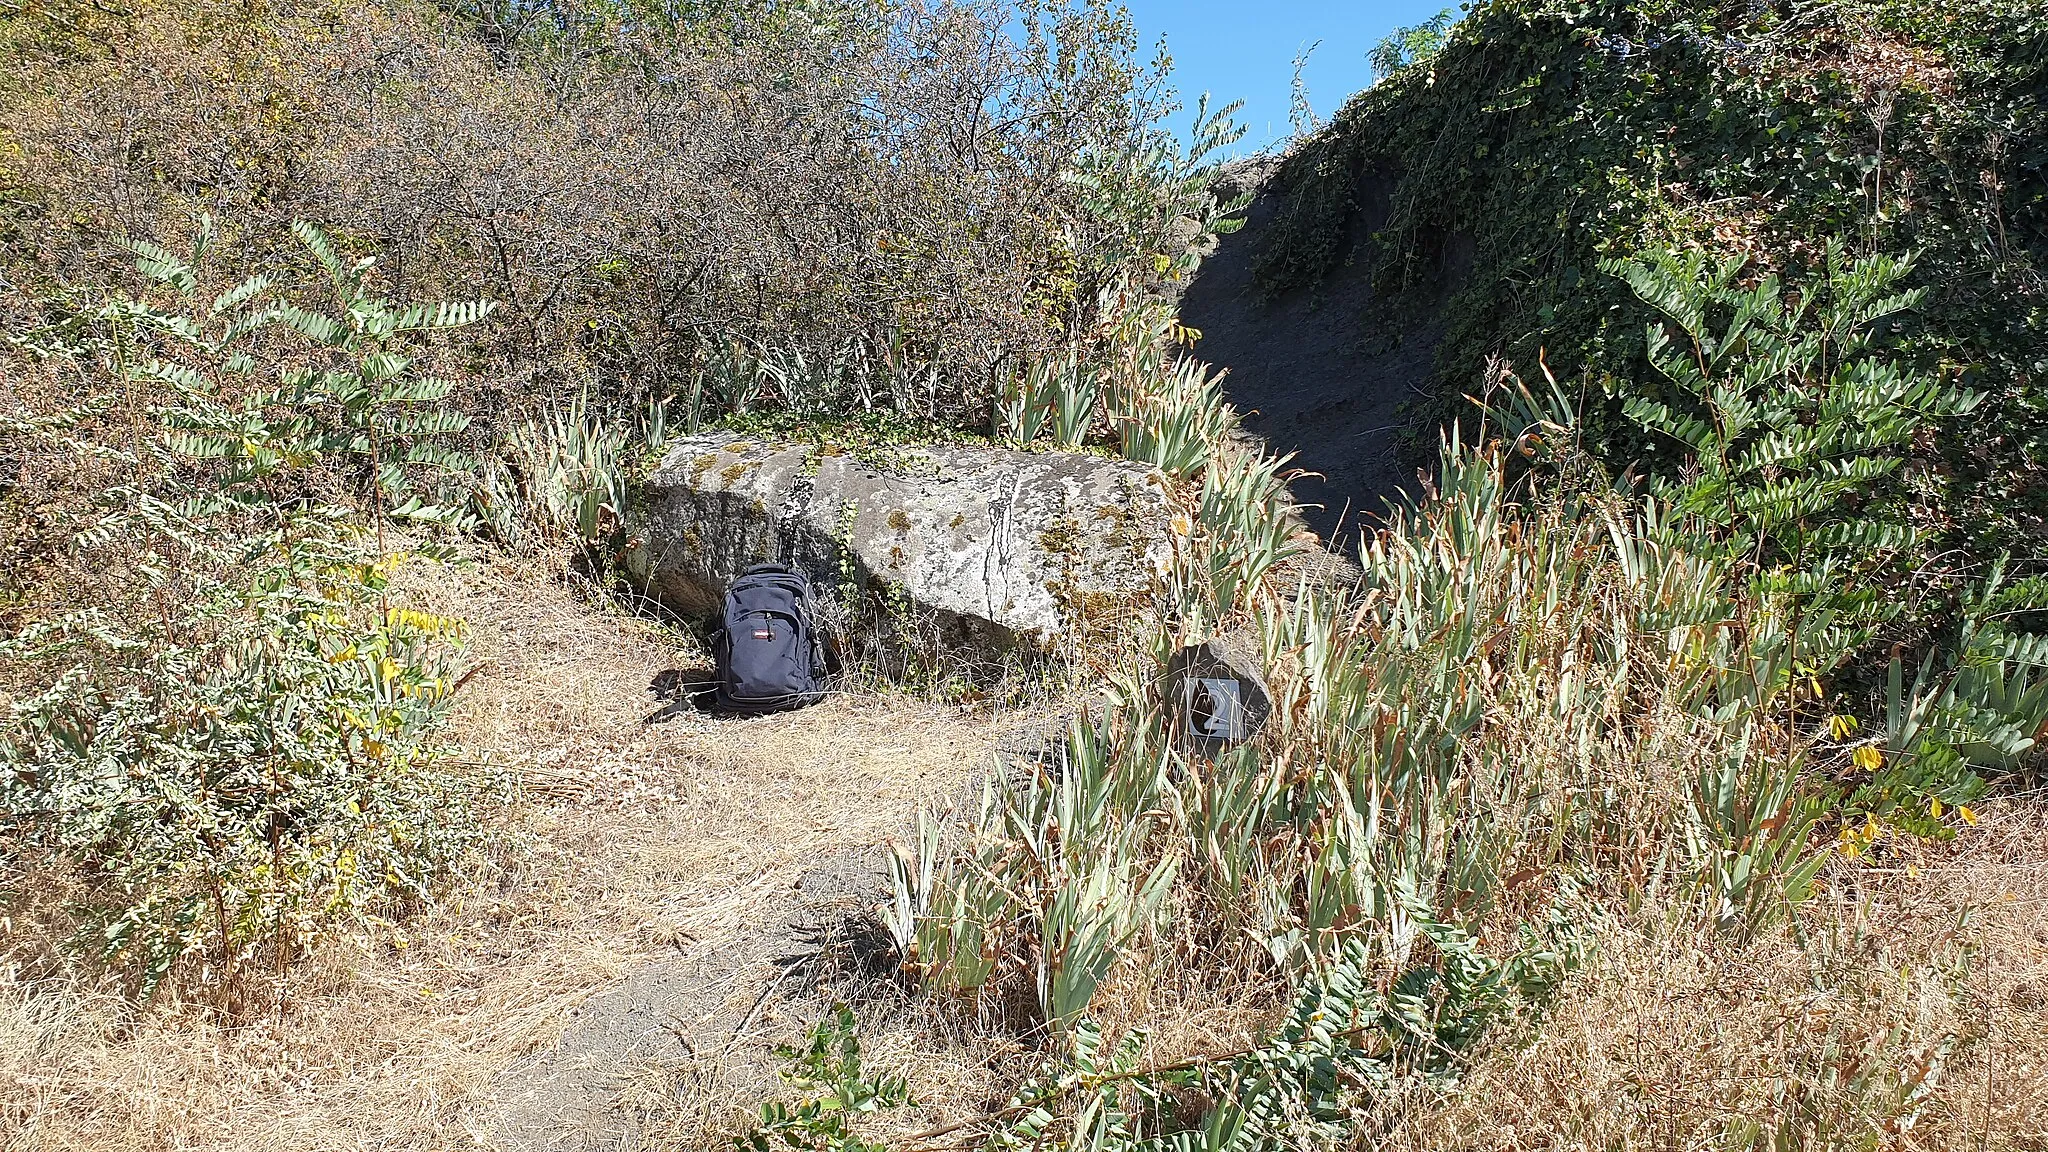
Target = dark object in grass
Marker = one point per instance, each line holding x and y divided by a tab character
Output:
1217	695
680	691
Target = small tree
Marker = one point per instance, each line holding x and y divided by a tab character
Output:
350	399
1406	47
1797	423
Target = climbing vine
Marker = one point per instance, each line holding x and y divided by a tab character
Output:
1488	181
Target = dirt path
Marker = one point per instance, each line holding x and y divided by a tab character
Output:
753	846
615	980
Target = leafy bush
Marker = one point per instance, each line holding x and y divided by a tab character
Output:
1313	1080
1410	46
351	399
826	1121
838	207
226	741
1793	420
1796	421
239	781
1545	136
1971	711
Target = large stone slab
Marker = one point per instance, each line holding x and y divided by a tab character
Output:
1018	544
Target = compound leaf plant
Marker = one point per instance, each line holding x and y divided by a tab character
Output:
231	744
1795	417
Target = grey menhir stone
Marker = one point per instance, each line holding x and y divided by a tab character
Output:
1004	545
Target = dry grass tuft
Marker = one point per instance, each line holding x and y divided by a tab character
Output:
1910	1012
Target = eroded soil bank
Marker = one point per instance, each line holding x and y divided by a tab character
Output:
1318	371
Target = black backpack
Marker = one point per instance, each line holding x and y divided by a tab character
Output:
769	653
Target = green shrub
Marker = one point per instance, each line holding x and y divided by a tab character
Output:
840	1094
908	202
239	781
1410	46
227	741
1796	419
1481	192
1973	710
1793	419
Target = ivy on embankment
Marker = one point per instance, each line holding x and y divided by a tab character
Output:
1547	136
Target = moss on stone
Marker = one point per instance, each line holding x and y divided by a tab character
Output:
1062	539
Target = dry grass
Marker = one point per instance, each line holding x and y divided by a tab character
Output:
1913	1014
1874	1020
641	842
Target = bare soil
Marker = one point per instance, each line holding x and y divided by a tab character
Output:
1312	370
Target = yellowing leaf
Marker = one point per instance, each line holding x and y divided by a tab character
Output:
1840	726
1934	807
1868	758
1968	816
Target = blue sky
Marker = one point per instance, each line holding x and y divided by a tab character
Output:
1245	51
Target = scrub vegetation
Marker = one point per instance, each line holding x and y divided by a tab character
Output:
1665	772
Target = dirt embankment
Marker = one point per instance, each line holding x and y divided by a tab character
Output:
1320	371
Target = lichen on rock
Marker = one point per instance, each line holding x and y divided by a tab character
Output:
1001	543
